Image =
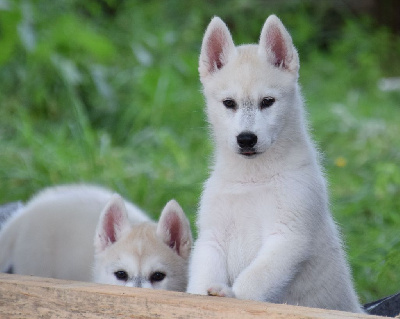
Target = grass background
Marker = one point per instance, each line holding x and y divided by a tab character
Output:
107	92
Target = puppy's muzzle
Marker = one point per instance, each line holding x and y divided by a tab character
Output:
247	142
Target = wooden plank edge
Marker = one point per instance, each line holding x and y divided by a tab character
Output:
35	297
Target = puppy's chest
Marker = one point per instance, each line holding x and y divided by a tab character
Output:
240	223
241	246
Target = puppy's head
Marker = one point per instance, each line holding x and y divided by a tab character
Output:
145	255
249	89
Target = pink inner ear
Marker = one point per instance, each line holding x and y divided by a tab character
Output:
278	47
112	219
215	46
173	224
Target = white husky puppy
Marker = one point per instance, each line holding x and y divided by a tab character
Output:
52	236
265	230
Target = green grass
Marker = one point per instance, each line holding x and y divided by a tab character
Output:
108	93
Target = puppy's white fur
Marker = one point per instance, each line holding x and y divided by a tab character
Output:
52	236
264	225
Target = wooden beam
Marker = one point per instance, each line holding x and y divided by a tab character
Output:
34	297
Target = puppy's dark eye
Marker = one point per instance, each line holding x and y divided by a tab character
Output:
267	102
157	276
229	103
121	275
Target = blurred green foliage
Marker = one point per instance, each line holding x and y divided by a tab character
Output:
107	92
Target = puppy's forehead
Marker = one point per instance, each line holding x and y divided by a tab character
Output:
141	265
143	241
248	73
140	256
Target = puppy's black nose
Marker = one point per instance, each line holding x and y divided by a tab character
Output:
246	139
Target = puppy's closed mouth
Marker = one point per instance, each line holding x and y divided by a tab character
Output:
248	152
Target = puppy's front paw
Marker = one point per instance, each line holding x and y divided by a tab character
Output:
221	291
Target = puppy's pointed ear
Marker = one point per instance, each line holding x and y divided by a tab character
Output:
277	47
174	229
216	48
113	223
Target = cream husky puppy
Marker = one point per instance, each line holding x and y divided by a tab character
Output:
55	233
147	255
265	230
